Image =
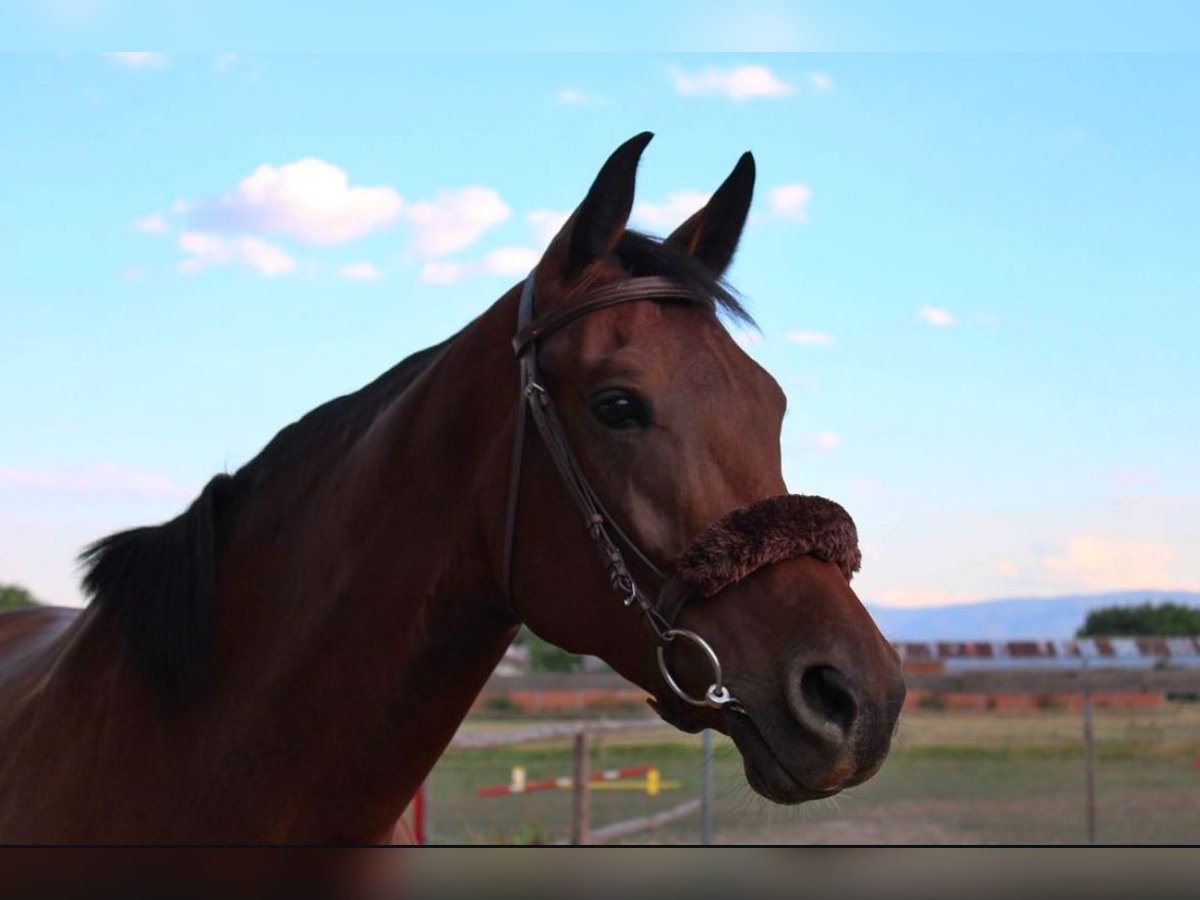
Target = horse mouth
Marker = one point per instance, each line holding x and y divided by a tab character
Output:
766	774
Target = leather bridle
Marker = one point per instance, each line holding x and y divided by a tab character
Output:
535	401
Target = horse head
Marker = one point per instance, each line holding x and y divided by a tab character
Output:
665	434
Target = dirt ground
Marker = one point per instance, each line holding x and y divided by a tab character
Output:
1124	815
900	824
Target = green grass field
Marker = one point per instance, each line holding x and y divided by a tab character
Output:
952	778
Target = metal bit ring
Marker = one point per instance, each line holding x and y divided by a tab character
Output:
717	695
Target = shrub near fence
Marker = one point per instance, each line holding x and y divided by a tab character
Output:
561	694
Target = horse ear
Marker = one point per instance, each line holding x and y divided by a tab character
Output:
712	233
597	224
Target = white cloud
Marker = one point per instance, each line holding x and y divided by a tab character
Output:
138	59
827	440
455	219
821	82
313	201
179	207
266	259
751	26
922	597
810	338
152	224
1007	568
1098	563
502	261
576	97
135	273
510	261
92	479
789	201
670	213
73	12
310	199
441	272
228	64
208	251
360	271
736	84
545	224
938	318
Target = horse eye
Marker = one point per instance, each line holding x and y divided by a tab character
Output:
620	409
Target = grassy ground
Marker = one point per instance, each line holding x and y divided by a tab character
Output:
952	778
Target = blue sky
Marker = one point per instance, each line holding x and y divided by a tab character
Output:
625	25
976	276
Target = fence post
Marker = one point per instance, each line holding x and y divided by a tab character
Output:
580	822
1089	754
706	787
420	812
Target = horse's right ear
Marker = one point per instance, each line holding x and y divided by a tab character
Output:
597	224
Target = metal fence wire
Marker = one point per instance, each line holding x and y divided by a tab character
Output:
1069	764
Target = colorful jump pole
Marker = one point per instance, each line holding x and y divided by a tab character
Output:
520	784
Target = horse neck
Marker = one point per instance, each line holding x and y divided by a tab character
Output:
384	615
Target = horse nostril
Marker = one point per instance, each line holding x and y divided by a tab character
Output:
826	695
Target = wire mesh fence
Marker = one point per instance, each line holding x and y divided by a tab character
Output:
977	773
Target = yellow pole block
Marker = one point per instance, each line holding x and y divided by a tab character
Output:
664	784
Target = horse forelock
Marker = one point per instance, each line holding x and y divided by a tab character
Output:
640	255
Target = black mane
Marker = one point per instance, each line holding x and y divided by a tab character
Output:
162	579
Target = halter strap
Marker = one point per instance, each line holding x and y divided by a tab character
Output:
534	399
524	311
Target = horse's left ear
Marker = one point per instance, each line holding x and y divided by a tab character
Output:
712	233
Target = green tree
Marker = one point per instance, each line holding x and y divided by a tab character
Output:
13	596
1159	619
546	657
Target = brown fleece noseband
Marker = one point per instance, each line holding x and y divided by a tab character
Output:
738	544
759	535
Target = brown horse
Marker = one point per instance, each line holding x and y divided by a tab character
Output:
286	660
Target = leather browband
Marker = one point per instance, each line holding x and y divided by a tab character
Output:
643	288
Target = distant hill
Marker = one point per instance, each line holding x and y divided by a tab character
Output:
1009	619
